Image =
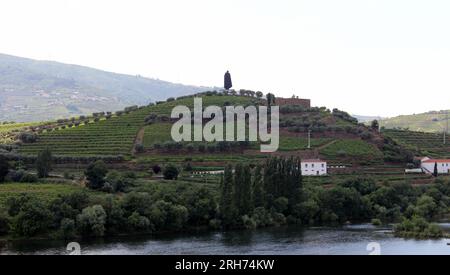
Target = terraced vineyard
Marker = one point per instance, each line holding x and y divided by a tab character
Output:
114	136
430	144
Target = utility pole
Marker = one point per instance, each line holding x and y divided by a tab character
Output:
446	127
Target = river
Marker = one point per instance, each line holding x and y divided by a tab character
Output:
291	240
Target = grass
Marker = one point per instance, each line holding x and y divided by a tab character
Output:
288	143
156	133
351	148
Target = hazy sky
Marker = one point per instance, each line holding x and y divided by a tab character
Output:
369	57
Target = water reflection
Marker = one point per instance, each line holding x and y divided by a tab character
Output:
351	239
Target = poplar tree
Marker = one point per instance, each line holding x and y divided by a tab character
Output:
227	207
246	205
258	188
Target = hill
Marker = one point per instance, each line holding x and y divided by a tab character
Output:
32	90
143	134
433	121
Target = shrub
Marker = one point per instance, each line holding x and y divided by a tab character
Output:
4	224
139	148
95	174
170	172
201	148
30	178
67	228
27	137
156	169
4	168
376	222
15	175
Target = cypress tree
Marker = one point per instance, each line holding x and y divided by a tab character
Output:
435	172
44	163
227	81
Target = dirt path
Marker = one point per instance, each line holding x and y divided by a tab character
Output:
138	140
326	145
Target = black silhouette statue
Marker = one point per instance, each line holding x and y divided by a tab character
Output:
227	81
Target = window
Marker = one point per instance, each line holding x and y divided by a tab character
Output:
306	165
323	165
312	165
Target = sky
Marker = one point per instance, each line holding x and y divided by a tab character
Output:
367	57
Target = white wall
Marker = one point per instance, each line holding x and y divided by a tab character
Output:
314	168
443	167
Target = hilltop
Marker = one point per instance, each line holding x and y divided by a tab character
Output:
32	90
433	121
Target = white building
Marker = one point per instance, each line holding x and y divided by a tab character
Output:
313	167
443	165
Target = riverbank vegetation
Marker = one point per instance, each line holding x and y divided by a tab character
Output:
247	196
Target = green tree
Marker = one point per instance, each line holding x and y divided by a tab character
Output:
44	162
30	217
170	172
4	168
91	221
258	188
246	203
227	206
270	99
375	125
435	171
95	174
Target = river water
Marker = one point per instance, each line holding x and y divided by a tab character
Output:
291	240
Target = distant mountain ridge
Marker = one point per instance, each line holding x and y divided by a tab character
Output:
32	90
433	121
364	119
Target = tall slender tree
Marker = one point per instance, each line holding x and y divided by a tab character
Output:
258	188
435	172
227	207
44	162
227	81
